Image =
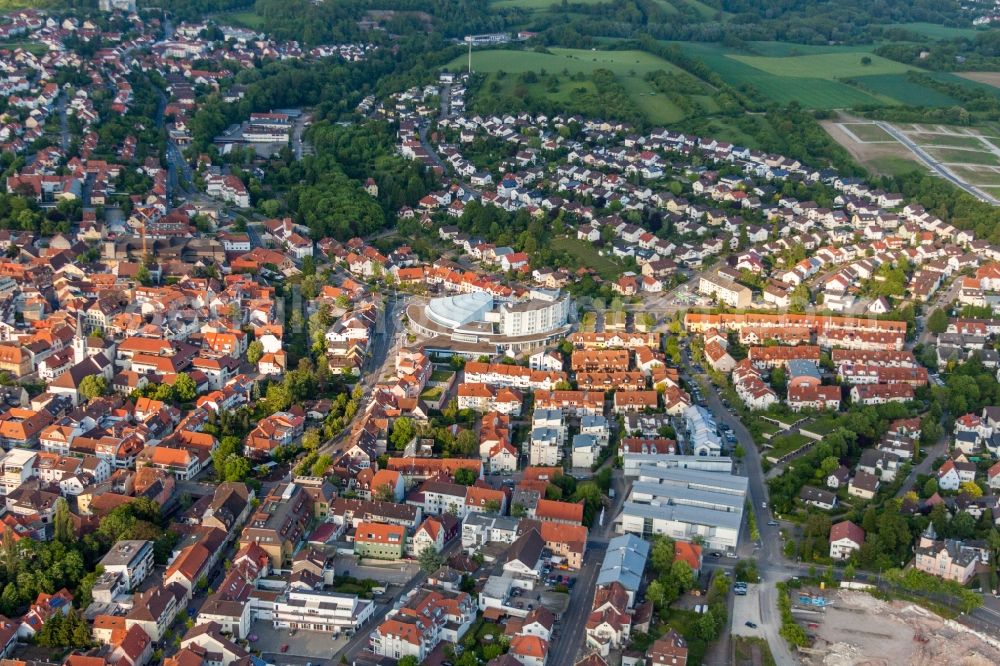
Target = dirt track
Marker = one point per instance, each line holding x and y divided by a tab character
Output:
865	153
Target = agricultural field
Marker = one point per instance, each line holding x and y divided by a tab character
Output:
788	49
986	78
902	90
781	79
536	5
826	77
823	65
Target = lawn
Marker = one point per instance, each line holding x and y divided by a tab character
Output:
441	376
653	104
978	175
248	19
629	67
958	156
31	47
868	132
432	394
706	11
784	444
559	60
821	426
588	256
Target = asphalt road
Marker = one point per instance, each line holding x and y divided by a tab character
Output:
386	343
569	642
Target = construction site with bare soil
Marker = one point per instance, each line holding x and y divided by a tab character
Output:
856	629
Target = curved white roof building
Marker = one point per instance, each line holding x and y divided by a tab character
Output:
474	324
456	311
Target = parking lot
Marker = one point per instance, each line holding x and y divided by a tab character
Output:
304	647
746	608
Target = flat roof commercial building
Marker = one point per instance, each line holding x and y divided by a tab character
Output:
685	503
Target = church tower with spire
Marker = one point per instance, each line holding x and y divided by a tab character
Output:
79	341
928	537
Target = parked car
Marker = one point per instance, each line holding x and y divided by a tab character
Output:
750	624
715	554
772	523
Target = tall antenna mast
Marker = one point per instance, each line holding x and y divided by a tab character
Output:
470	56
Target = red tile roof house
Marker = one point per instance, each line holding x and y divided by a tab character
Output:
45	606
559	512
280	429
845	538
635	401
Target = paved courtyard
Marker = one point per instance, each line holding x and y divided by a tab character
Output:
394	573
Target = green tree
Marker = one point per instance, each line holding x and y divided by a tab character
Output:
254	351
93	386
403	431
62	523
937	322
320	466
930	487
430	560
661	556
465	476
681	572
654	594
970	488
185	390
409	660
310	439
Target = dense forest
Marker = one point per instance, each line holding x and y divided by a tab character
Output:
962	54
190	10
800	21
